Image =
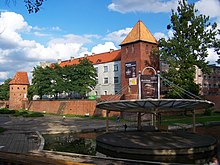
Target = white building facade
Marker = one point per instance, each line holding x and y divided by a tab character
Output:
109	78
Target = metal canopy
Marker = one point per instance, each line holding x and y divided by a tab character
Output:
150	105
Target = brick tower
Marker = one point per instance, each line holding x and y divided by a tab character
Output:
18	90
136	54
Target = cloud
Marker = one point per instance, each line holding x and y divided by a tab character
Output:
160	35
118	36
19	54
210	8
3	76
154	6
212	57
100	48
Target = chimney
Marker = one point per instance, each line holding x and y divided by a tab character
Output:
58	61
85	55
111	50
93	53
71	58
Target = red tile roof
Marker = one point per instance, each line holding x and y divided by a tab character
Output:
114	55
20	78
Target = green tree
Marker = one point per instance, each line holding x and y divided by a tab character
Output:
85	77
193	34
4	90
42	81
33	6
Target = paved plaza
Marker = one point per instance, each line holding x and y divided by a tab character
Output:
22	141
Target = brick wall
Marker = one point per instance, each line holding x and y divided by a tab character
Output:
141	53
215	99
18	93
74	107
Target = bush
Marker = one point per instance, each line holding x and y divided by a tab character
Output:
33	114
6	111
208	112
26	113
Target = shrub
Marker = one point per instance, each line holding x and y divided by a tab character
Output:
33	114
208	112
26	113
6	111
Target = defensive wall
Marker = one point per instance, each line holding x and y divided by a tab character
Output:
72	107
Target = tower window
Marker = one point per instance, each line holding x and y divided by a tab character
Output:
147	48
126	49
132	49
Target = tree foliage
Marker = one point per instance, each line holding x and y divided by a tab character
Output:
79	79
4	90
33	6
193	34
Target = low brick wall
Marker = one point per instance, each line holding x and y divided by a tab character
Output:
74	107
215	99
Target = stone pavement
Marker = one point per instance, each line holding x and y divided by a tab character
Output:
21	135
21	144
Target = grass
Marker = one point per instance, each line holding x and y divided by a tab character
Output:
21	112
88	117
170	120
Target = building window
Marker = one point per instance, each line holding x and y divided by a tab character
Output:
116	92
17	87
106	80
132	49
204	84
96	68
105	68
24	88
105	92
116	80
126	50
97	81
199	75
147	48
116	67
210	85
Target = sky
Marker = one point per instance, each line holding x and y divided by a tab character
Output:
72	28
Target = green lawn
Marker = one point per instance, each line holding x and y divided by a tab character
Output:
170	120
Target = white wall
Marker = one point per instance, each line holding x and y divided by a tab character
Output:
109	88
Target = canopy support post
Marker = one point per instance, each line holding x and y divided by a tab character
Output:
107	120
139	121
194	121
